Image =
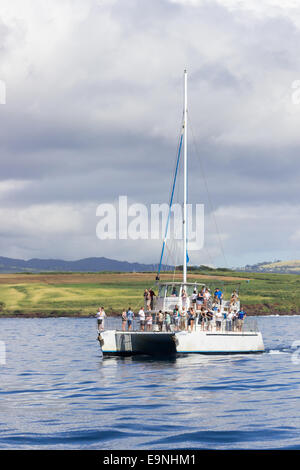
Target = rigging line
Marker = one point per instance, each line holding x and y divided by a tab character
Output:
208	195
174	248
168	259
172	253
175	263
170	203
173	242
175	168
209	256
175	161
170	256
159	264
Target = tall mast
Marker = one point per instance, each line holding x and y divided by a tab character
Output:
185	180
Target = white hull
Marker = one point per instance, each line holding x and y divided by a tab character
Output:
201	342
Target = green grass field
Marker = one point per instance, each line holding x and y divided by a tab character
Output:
82	293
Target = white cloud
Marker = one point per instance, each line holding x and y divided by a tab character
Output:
94	100
37	220
9	186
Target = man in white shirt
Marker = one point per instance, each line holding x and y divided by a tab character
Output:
219	318
141	315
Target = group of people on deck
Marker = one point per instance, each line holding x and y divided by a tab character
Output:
199	298
185	319
205	310
145	319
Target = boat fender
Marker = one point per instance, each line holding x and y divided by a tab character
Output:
175	340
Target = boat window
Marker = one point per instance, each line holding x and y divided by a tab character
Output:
172	291
190	290
161	291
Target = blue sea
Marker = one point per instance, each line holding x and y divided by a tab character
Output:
57	392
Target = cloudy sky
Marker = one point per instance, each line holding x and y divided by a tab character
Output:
93	111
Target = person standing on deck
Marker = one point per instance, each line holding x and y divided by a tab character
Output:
206	297
202	318
219	318
152	295
160	320
199	300
130	317
218	296
147	298
168	321
183	316
210	317
191	319
100	315
234	319
99	319
234	297
240	319
175	317
194	298
229	320
142	318
149	322
124	320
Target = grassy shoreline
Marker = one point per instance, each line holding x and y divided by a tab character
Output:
78	295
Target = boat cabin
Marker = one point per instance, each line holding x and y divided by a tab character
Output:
171	294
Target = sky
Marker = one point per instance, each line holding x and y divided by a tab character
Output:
94	100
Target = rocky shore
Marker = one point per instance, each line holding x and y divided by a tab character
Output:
251	310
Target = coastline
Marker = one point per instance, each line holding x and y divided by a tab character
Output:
250	312
78	295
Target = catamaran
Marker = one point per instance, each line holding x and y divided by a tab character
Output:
210	337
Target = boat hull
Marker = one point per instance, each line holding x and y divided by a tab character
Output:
114	342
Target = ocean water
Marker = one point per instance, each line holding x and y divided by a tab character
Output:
57	392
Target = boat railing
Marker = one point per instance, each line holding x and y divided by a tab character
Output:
248	324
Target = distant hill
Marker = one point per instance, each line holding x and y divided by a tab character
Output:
282	267
10	265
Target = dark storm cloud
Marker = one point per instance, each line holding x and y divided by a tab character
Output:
217	75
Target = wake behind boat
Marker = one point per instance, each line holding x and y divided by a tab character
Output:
175	321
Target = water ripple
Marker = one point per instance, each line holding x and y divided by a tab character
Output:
58	392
